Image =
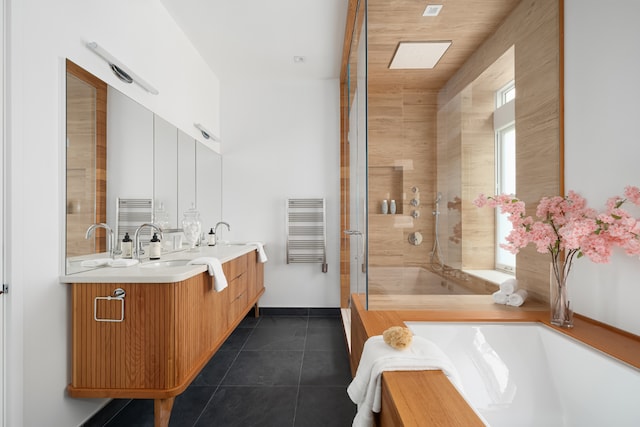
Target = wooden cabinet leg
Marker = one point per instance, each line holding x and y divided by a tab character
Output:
256	310
162	411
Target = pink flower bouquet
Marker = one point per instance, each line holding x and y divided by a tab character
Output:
566	225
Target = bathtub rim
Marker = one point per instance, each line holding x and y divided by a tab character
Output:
535	324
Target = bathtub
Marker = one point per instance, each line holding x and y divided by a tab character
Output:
527	374
411	281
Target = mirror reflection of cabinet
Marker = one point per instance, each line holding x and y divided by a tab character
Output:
130	153
166	169
186	174
208	186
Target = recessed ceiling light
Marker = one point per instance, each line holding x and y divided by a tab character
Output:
299	59
418	55
432	10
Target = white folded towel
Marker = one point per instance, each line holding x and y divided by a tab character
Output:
262	255
509	286
500	297
96	262
215	269
377	357
123	262
517	298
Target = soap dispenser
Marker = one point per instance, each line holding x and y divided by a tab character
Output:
211	238
154	247
127	246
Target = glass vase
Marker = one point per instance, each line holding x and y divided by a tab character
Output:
192	228
560	307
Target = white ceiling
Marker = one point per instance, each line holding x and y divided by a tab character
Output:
259	38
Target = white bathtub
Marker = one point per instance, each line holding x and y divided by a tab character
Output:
526	374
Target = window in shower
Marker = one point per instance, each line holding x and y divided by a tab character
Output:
505	132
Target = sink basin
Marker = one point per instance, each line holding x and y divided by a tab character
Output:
164	264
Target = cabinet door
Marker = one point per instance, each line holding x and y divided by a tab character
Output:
208	186
130	152
165	171
186	173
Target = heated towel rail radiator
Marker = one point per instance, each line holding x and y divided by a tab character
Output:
307	232
131	213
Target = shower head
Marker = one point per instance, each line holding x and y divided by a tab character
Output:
438	197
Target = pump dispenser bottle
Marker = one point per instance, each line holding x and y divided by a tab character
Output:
127	246
211	238
154	247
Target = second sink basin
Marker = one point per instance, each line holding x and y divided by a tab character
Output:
164	264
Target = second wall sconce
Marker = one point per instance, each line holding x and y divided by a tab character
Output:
120	70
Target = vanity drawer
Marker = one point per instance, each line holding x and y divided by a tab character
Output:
235	268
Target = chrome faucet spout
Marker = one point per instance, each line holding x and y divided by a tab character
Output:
91	229
215	230
136	234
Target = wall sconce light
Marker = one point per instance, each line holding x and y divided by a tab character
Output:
120	70
205	133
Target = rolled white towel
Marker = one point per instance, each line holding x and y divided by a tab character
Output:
517	298
509	286
500	297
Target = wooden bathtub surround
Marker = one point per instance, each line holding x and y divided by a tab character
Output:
169	333
427	398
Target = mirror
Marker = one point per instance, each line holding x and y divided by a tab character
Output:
422	133
116	148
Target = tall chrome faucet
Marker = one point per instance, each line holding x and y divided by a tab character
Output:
215	230
110	245
136	242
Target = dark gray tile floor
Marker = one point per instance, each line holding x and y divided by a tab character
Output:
285	368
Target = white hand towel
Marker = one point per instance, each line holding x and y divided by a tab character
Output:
215	269
377	357
499	297
262	255
123	262
509	286
96	262
517	298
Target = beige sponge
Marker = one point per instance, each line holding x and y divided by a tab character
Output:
398	337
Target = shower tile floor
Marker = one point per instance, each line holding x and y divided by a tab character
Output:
289	367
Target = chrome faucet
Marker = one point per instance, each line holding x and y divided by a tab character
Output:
215	230
137	251
91	229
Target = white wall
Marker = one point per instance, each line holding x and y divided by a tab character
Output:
602	145
42	33
282	141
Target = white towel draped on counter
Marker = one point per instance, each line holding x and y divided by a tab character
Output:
377	357
96	262
123	262
262	255
215	269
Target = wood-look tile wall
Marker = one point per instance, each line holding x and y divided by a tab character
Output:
533	29
401	155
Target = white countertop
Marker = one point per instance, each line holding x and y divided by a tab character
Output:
141	274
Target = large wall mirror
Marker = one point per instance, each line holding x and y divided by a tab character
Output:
119	152
431	140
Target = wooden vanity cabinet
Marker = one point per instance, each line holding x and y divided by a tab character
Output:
168	334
